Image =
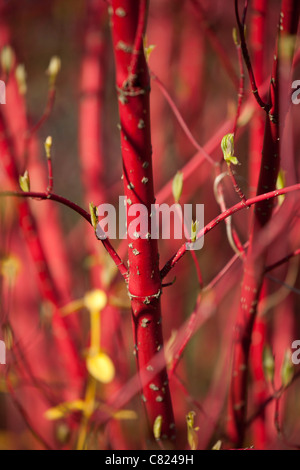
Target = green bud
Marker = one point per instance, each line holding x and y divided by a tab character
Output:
227	146
280	184
287	369
62	432
235	36
217	445
194	230
7	58
93	212
20	74
268	363
148	49
191	430
48	145
177	186
53	69
24	182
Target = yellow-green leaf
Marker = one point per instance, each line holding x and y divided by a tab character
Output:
194	230
157	427
191	430
10	267
101	367
148	49
227	146
235	36
94	217
280	184
24	182
7	58
287	370
48	145
61	410
125	414
177	185
53	69
268	363
20	74
217	445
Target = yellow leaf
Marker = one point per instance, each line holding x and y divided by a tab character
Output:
24	182
177	185
280	184
235	36
192	438
61	410
217	445
148	49
10	267
287	46
95	300
54	413
191	430
93	213
194	230
101	367
7	57
72	307
268	363
287	369
157	427
227	146
125	414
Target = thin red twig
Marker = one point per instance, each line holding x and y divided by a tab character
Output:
83	213
229	212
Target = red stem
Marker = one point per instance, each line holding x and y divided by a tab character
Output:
282	261
180	119
229	212
254	268
46	113
211	145
55	197
91	105
241	88
258	32
25	415
50	176
217	45
93	174
241	25
144	283
47	287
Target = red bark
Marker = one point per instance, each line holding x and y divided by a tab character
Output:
254	267
47	288
144	282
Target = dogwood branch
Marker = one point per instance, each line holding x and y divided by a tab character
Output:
241	27
79	210
229	212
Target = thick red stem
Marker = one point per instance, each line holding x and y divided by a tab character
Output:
144	282
47	288
254	267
